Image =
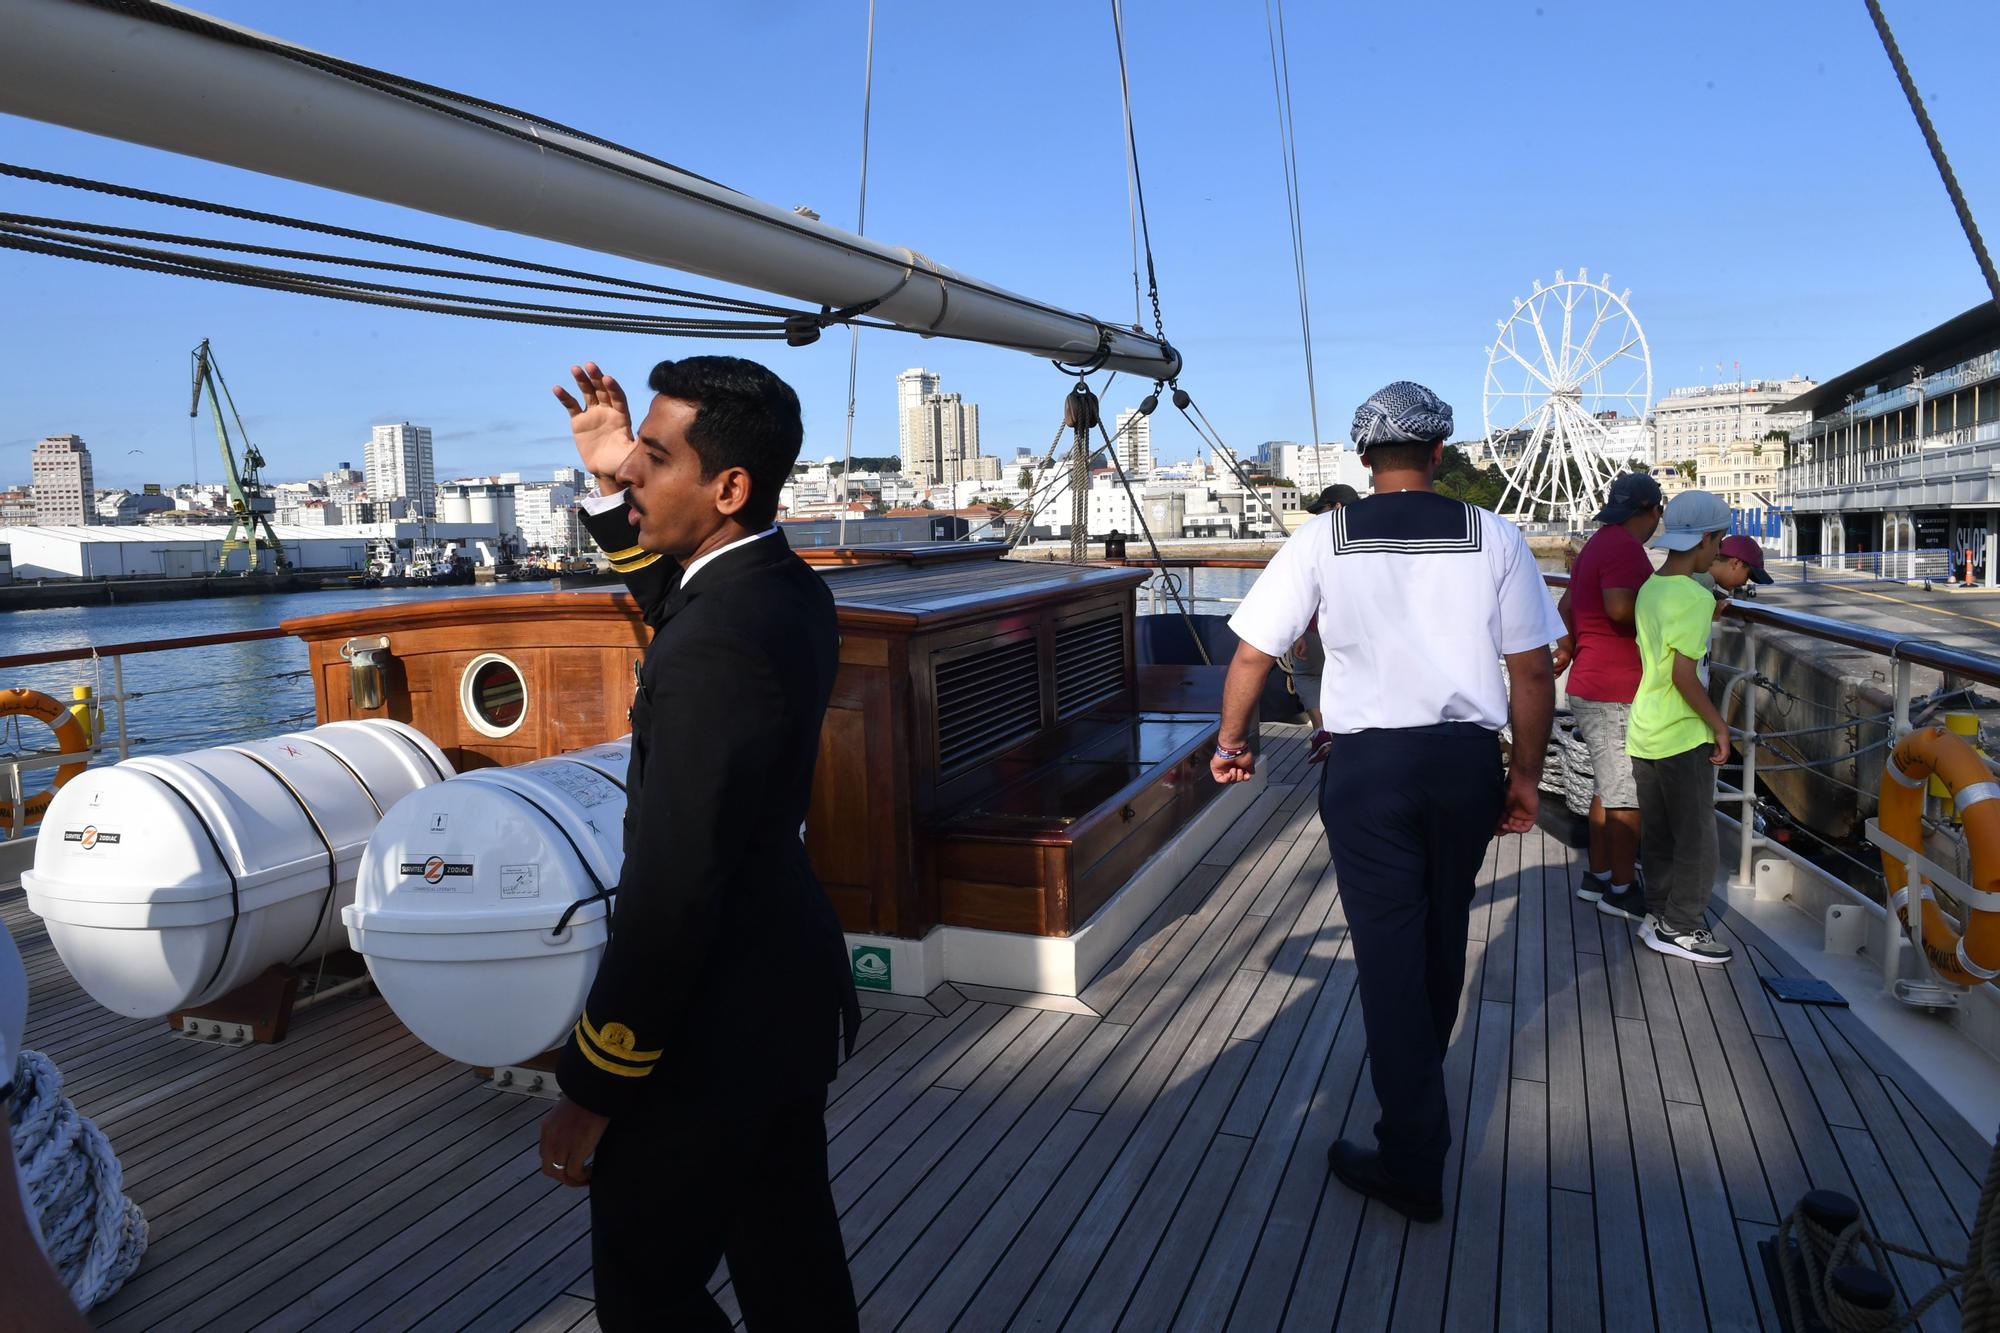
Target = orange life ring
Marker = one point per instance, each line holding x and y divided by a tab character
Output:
1967	953
69	736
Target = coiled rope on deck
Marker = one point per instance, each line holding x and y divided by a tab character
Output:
73	1185
1810	1269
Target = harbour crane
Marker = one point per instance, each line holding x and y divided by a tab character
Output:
249	508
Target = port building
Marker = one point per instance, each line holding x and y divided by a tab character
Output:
76	551
1902	453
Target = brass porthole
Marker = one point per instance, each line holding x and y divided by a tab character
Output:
493	694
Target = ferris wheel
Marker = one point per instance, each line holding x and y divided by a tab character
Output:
1569	381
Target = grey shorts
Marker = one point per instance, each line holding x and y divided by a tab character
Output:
1602	727
1307	687
1306	670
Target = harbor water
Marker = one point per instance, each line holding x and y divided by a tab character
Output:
198	696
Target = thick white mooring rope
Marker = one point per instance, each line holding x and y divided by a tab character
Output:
73	1186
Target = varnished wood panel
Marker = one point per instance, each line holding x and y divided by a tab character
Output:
1021	909
858	651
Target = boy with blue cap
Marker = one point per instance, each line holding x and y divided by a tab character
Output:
1676	737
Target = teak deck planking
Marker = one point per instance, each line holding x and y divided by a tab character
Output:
1149	1156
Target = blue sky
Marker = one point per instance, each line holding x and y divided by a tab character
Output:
1749	171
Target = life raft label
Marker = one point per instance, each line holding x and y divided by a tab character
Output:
521	881
90	836
871	967
435	870
587	787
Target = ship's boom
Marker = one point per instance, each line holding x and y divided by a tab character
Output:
126	76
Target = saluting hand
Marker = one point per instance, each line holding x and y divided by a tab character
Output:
601	421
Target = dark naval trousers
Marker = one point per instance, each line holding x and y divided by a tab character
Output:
672	1193
1408	815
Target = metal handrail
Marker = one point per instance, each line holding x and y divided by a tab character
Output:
134	649
1900	648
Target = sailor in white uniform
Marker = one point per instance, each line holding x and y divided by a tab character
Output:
1432	613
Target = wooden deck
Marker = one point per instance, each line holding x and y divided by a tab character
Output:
1150	1157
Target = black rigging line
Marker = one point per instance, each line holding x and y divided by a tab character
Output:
1138	184
1936	146
1281	89
376	238
311	285
47	224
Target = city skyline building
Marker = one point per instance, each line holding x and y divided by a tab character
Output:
62	485
1314	467
400	465
545	516
1718	414
1134	440
950	439
913	386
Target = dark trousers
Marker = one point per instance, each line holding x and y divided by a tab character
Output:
1408	815
1677	835
673	1193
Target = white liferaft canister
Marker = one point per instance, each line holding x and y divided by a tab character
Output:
167	881
482	903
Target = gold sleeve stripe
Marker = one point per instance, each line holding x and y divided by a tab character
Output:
597	1039
634	566
628	553
607	1066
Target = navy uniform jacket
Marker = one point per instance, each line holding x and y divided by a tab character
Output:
726	982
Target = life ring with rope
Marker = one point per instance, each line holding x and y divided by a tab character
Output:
1967	952
70	738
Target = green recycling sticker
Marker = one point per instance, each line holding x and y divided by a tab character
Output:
871	967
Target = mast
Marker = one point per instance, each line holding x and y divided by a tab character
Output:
221	92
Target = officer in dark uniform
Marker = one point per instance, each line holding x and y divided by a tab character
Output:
694	1085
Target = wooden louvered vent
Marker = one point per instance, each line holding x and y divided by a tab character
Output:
986	701
1090	664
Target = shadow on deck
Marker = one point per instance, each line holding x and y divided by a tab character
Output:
1151	1157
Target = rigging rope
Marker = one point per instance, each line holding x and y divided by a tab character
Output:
1281	88
860	229
133	192
73	1186
1138	184
45	226
1213	438
1146	529
349	289
1936	145
1041	488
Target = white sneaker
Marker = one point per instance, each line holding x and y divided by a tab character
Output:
1697	946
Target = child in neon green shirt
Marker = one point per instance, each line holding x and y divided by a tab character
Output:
1677	738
